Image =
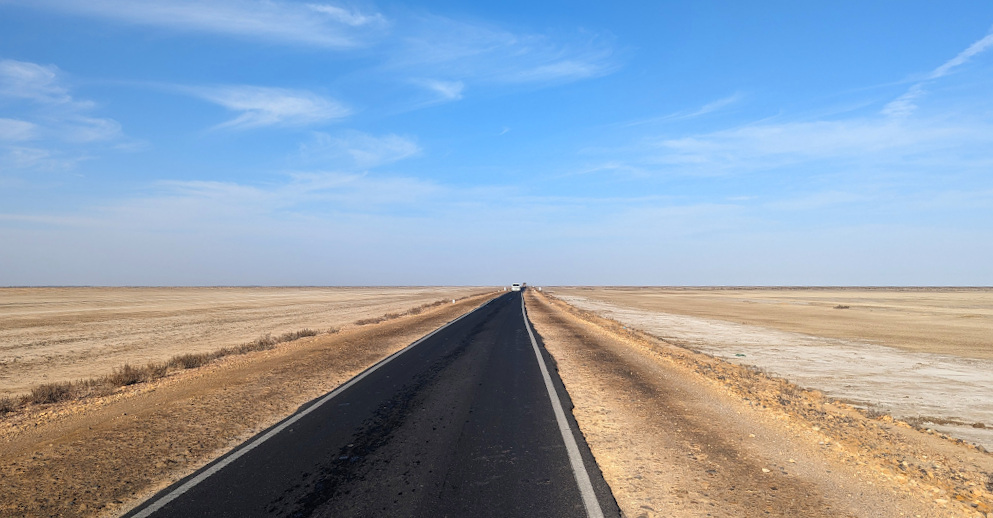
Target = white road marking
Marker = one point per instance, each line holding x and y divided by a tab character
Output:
575	459
190	484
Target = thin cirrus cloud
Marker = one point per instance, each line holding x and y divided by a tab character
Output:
266	106
359	150
13	130
52	130
883	143
471	52
445	90
32	82
906	104
711	107
312	24
878	143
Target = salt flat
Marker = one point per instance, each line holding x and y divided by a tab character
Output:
55	334
915	353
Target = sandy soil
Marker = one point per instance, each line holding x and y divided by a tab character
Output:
860	355
955	321
56	334
103	455
681	433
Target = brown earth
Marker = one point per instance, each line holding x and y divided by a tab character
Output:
58	334
101	456
956	321
679	433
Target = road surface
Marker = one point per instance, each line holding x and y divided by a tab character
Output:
461	423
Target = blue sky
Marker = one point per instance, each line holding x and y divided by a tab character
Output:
677	143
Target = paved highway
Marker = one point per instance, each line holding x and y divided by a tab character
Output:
461	423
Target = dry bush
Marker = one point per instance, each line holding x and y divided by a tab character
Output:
51	393
7	404
266	341
289	337
366	321
190	360
127	375
874	413
839	306
156	370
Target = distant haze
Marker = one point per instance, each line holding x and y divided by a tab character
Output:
243	142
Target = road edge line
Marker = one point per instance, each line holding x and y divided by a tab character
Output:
579	471
247	447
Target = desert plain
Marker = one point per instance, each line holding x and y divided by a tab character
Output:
58	334
695	402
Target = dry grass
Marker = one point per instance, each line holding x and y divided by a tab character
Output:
126	375
7	404
413	311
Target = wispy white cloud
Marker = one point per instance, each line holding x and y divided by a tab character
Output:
865	140
349	17
907	103
446	90
265	106
354	149
13	130
431	45
31	81
711	107
21	158
58	125
316	24
962	57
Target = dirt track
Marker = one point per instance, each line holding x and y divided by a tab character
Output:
678	433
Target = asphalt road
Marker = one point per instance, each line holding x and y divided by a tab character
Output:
461	423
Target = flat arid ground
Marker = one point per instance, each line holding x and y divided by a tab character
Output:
57	334
679	423
921	354
679	433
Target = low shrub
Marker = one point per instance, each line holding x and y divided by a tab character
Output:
156	370
295	335
190	360
127	375
51	392
7	404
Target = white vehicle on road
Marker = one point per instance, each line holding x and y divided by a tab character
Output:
515	287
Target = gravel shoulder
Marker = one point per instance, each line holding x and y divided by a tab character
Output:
680	433
101	456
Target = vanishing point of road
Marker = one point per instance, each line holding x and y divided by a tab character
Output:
468	421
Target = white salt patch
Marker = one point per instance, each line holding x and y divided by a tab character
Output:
902	383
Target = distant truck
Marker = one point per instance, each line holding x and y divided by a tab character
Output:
515	287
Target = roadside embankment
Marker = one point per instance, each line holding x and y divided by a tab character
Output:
680	433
